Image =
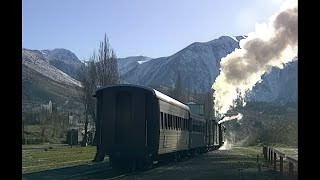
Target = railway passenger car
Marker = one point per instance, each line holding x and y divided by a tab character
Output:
210	134
174	126
137	125
198	143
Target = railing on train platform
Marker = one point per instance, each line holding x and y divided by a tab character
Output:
270	154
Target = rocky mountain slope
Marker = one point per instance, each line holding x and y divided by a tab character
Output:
43	82
199	65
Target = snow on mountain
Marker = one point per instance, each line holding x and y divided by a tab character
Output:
127	64
234	38
36	60
199	65
140	62
280	85
64	60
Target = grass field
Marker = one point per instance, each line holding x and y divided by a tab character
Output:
39	159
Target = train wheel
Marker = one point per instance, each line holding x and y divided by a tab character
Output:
133	166
145	164
118	164
196	152
192	152
148	162
176	156
114	164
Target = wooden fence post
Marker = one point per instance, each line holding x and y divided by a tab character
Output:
281	165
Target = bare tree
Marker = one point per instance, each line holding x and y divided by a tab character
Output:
88	79
100	70
44	118
107	74
107	65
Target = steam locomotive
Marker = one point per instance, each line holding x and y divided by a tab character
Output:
137	126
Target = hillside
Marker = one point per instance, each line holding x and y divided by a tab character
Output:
199	64
42	82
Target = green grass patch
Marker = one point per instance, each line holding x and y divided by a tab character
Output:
40	159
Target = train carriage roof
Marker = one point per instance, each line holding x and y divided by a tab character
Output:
158	94
170	100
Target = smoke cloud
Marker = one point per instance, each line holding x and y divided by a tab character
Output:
271	45
237	117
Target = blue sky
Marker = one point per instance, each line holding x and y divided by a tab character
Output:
153	28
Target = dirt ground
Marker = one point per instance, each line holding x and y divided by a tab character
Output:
236	163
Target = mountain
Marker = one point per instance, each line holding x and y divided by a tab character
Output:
64	60
42	82
199	65
279	86
127	64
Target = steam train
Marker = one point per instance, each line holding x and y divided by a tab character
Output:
137	126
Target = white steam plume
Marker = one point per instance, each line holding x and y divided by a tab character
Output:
271	45
237	117
226	145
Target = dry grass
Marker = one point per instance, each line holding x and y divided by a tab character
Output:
51	158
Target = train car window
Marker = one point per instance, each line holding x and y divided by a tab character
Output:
181	119
172	120
178	127
187	124
165	121
184	124
186	121
173	125
161	119
170	123
175	122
